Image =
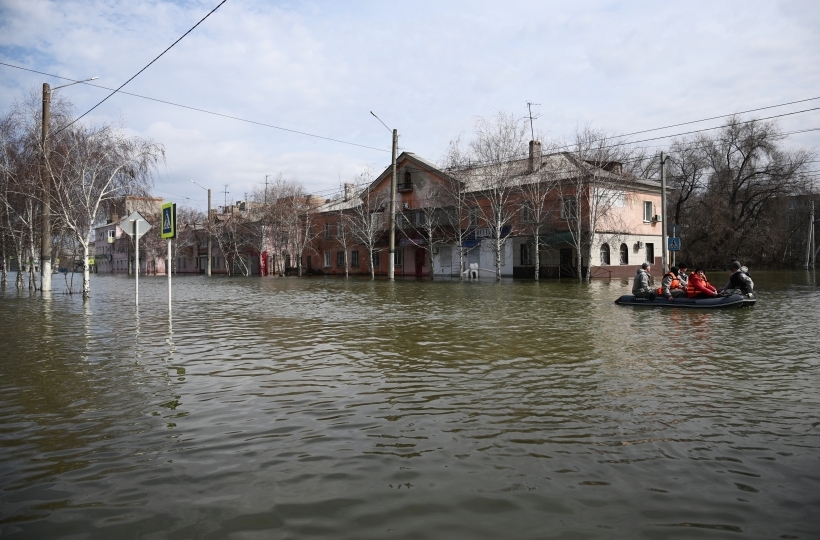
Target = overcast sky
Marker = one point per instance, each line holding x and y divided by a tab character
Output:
429	69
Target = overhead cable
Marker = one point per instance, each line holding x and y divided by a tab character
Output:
143	69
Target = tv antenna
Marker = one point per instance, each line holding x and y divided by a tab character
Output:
531	117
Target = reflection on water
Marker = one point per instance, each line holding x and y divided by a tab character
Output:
293	408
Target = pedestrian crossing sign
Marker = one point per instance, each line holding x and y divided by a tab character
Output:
169	220
674	243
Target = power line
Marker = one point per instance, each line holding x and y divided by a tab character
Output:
720	116
143	69
207	111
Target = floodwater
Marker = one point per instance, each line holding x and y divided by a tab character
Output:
331	408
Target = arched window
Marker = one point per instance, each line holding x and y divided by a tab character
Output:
624	254
604	254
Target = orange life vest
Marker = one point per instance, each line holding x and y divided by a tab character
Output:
690	285
674	285
697	285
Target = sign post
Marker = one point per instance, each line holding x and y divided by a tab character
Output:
135	226
169	231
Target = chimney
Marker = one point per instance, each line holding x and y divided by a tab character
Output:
535	156
348	192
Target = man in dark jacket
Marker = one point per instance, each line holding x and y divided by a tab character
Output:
740	282
642	285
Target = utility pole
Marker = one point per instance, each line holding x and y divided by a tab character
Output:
208	272
391	264
264	254
226	197
391	270
664	239
810	250
45	218
45	225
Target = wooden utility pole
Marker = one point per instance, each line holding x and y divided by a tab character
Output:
664	239
210	235
45	224
391	270
810	242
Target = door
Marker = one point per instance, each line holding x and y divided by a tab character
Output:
420	256
566	266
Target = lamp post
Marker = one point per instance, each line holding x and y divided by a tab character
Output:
45	217
208	271
391	262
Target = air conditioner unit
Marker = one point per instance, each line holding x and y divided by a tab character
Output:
656	218
405	206
638	245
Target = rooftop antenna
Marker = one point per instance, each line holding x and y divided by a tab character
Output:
531	117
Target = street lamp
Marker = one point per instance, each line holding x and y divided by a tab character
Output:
208	271
45	240
391	263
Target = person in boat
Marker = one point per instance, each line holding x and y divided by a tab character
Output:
642	285
670	285
740	282
699	287
683	277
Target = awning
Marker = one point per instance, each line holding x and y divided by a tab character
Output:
554	239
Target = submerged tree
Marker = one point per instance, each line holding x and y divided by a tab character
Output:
89	169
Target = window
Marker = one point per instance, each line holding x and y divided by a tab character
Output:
340	258
112	235
650	253
526	255
354	258
376	259
472	214
611	198
569	208
624	254
647	211
527	213
327	233
327	257
398	257
604	254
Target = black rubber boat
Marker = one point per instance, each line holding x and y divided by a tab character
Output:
733	301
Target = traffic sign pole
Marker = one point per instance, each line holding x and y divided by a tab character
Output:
168	271
169	231
136	263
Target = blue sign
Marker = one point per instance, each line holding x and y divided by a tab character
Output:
673	243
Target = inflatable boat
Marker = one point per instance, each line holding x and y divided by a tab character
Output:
733	301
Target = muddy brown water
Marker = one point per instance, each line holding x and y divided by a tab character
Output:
332	408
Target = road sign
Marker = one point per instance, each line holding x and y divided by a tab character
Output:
169	220
674	244
127	224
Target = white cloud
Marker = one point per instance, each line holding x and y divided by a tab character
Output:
427	68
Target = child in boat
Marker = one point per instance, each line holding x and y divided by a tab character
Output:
699	287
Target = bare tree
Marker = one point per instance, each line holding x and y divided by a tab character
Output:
591	188
491	176
367	220
748	168
537	192
456	199
94	166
